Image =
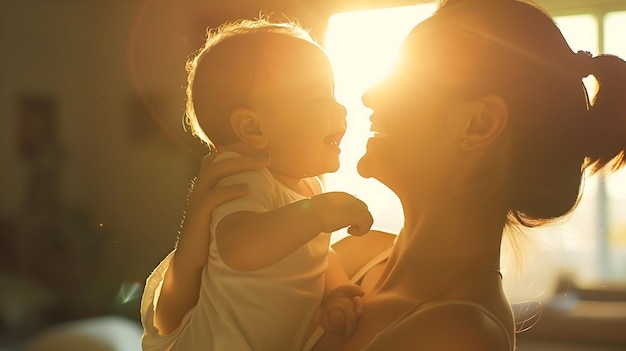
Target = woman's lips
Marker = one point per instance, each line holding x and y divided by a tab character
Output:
377	129
375	134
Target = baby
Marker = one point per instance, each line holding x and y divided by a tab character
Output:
265	90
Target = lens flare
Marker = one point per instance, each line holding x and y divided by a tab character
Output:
128	292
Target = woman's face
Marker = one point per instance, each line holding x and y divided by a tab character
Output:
413	143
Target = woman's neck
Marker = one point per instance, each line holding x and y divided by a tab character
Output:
447	237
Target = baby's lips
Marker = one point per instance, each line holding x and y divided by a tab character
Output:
334	138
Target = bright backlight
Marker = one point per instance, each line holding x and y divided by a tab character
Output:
363	46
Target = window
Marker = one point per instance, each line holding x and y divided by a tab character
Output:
614	29
591	243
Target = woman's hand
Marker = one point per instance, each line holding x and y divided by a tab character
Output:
204	198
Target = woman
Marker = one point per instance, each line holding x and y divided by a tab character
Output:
484	123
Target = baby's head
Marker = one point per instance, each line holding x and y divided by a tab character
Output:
257	86
222	73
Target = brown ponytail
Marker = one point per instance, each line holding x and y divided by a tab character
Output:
607	121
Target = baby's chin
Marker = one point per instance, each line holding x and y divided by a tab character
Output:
332	170
326	170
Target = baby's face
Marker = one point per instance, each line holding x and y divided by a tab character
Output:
294	96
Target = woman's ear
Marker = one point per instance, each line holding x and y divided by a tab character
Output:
247	127
486	118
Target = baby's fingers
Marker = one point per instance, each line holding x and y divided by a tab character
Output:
362	228
358	305
349	290
362	223
333	320
351	318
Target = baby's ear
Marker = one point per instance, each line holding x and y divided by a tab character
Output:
247	127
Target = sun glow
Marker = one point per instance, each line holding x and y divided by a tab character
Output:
363	46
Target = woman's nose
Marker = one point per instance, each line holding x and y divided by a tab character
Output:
365	98
368	96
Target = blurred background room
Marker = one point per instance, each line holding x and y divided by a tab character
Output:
95	165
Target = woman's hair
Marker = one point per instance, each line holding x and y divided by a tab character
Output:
222	72
516	51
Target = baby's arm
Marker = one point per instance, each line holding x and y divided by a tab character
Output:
343	303
249	240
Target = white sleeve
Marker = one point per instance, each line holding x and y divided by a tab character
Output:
260	197
151	339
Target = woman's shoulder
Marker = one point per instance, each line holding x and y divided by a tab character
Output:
450	325
360	252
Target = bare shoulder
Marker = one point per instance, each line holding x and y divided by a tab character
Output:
355	252
454	327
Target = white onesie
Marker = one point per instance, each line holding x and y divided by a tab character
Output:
267	309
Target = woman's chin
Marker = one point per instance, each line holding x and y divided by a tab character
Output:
364	167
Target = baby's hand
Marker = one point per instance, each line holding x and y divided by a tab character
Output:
341	309
338	210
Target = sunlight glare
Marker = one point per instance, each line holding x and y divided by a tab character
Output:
362	46
581	32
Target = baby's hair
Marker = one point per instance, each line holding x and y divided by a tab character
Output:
228	62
